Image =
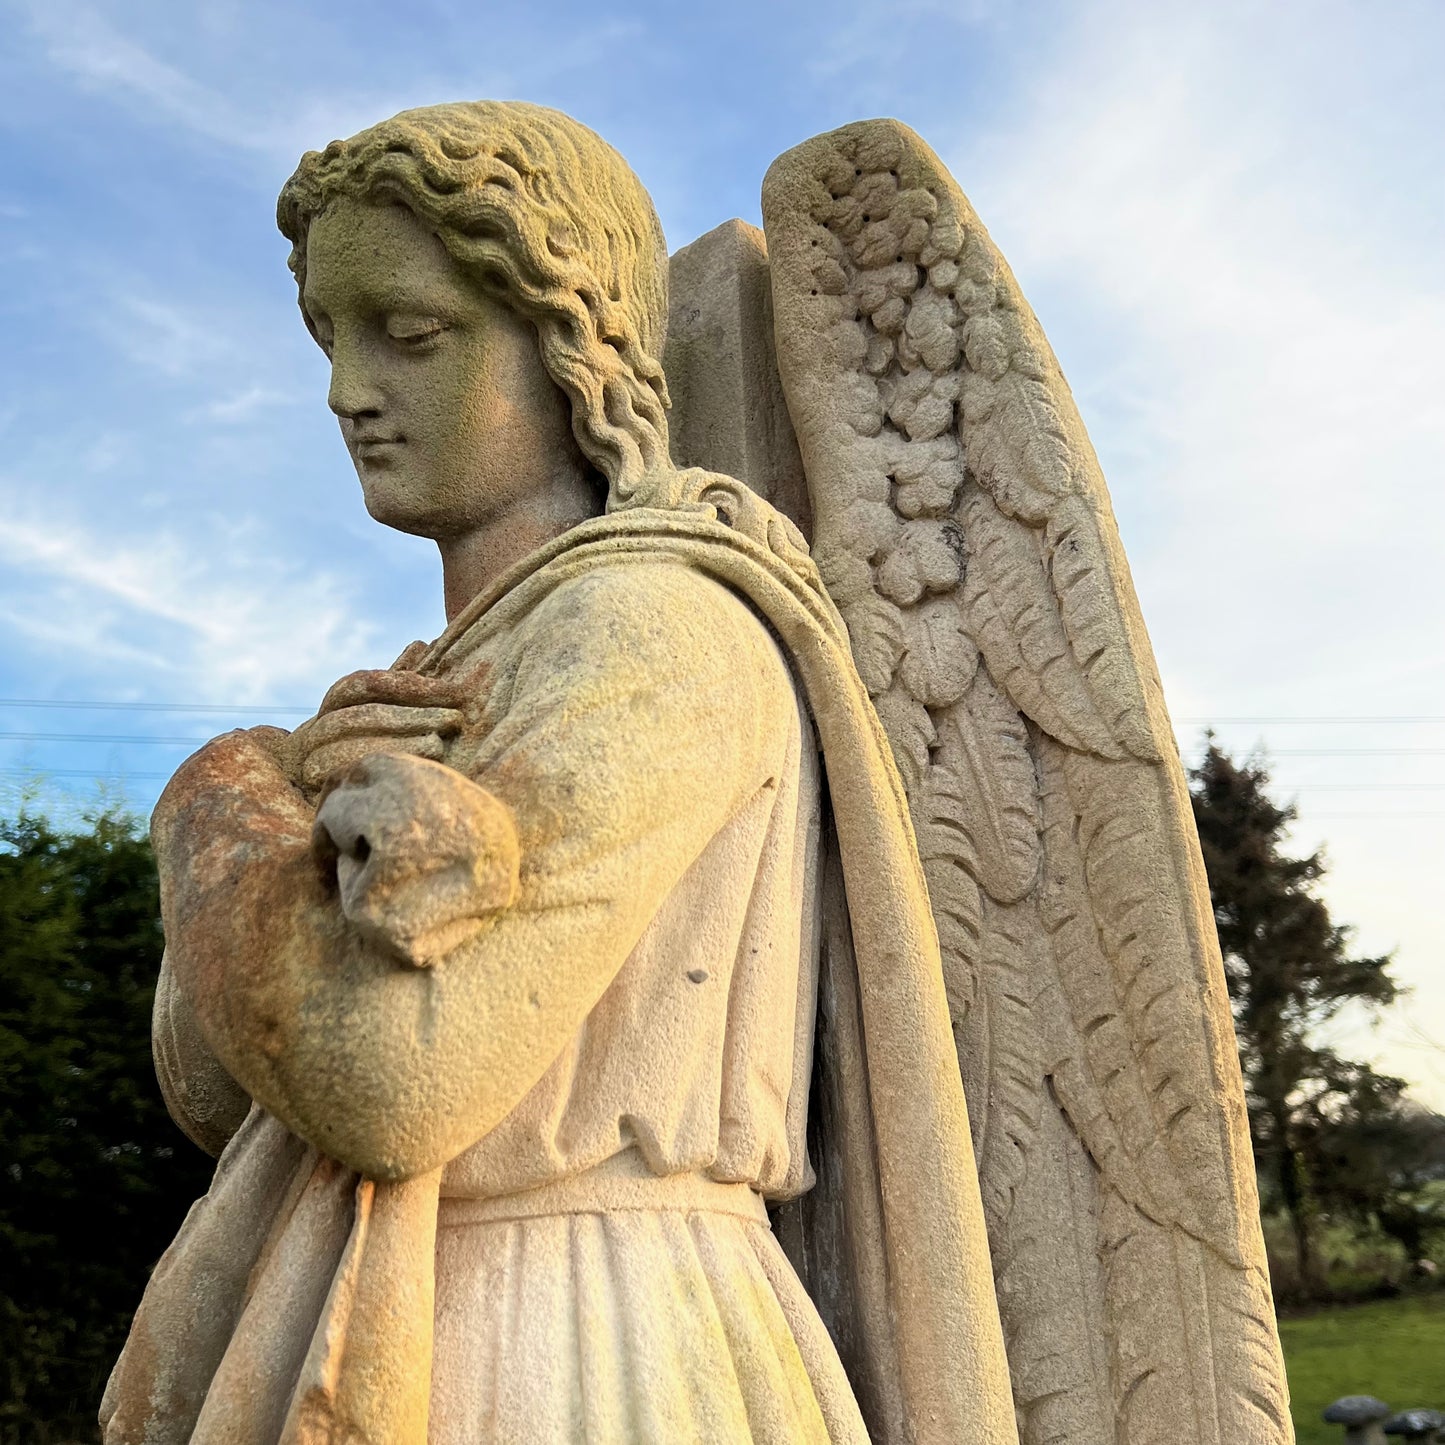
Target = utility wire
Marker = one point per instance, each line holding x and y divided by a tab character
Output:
1343	752
31	737
39	775
1338	718
237	708
97	738
99	706
43	772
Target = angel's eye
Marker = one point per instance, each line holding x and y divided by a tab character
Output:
321	329
415	331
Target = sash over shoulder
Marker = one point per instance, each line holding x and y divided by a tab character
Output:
296	1303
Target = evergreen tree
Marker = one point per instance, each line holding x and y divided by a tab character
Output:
94	1177
1377	1157
1289	970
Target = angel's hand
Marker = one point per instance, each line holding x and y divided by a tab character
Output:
372	712
422	857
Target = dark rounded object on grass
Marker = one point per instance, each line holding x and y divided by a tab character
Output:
1356	1410
1414	1424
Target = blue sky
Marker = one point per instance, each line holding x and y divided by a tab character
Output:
1229	217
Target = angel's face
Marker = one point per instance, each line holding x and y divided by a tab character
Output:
445	407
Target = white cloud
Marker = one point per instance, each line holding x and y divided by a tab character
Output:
1189	196
863	47
219	621
161	334
242	110
80	41
241	406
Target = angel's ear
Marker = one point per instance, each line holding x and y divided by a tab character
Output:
728	412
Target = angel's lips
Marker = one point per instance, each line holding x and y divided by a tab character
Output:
375	449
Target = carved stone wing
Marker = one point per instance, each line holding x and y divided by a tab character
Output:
962	525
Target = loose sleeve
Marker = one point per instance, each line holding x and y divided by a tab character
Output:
207	1104
642	706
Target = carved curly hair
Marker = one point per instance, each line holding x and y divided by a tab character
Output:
545	215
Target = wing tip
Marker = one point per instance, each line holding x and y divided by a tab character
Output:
877	139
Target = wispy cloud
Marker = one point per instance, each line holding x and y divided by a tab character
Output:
1266	386
80	41
865	44
225	620
165	335
242	406
1288	385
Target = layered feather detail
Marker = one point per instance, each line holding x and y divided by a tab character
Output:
962	527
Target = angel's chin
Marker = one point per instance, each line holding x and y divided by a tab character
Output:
398	503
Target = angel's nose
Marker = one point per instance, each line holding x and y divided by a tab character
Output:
355	391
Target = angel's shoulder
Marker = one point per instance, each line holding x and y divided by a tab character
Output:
661	649
655	611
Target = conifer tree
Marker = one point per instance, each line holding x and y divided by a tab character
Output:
94	1177
1289	970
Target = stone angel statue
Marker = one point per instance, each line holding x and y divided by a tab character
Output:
751	978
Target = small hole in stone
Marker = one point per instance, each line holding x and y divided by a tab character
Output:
867	218
813	292
361	849
858	171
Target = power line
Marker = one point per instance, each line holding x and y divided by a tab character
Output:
32	737
1370	721
104	705
101	704
97	738
95	705
119	775
43	772
1346	752
1359	787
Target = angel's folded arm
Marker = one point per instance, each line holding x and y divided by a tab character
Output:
647	707
205	1101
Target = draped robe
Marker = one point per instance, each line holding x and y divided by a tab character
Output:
639	686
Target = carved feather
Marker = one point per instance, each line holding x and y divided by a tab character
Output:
982	782
962	524
910	731
939	658
1058	1356
1014	615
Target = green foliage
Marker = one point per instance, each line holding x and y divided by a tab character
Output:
1391	1349
94	1177
1358	1261
1329	1133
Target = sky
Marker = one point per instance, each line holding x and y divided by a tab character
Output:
1230	219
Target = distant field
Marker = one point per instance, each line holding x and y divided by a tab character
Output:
1394	1349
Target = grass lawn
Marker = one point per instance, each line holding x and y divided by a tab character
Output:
1394	1349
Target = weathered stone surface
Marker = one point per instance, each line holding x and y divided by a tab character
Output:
1418	1424
528	951
728	411
1361	1415
962	525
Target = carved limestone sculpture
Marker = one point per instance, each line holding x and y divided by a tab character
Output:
583	1009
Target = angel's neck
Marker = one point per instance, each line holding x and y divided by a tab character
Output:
475	559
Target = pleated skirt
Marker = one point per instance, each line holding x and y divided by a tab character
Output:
629	1325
